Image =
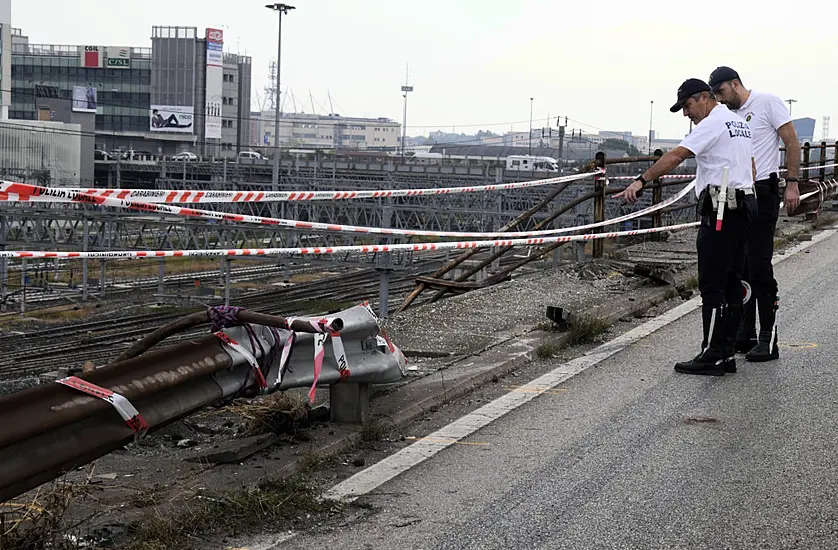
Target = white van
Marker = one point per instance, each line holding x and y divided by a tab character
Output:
253	155
528	163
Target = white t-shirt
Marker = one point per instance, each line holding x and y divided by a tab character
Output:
765	113
722	139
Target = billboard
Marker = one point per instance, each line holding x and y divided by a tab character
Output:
214	81
90	57
84	99
171	118
118	58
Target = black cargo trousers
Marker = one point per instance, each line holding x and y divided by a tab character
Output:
759	250
721	263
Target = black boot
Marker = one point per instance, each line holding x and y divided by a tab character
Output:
733	326
766	349
746	336
711	359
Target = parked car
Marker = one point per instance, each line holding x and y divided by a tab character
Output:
137	155
253	155
185	156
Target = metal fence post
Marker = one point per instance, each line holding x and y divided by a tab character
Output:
822	172
385	264
805	164
23	287
227	267
161	275
657	197
599	204
85	263
4	264
102	276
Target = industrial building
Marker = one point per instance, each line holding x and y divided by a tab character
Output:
312	131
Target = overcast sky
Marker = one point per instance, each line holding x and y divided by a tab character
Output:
476	63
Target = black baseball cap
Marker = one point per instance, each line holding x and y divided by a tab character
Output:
720	75
689	87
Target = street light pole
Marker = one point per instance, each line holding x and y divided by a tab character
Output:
405	89
651	112
790	101
280	9
529	149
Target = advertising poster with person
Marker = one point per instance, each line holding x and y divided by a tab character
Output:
171	118
84	99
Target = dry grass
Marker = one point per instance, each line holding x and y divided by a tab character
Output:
281	503
41	523
281	413
310	277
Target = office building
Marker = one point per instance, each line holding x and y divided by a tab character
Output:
181	94
5	57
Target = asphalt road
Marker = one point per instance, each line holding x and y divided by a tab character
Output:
630	454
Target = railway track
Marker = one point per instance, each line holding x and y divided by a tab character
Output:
35	353
32	354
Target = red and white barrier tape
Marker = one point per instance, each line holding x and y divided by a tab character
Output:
325	330
688	176
126	410
669	177
8	192
251	360
359	249
34	190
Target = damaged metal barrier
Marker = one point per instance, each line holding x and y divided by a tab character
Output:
53	428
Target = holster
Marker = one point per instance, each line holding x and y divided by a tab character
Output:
708	200
772	185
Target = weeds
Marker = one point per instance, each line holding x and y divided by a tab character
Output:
372	431
282	503
823	219
585	330
310	462
546	350
691	283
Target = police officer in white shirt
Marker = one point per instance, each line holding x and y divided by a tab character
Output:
720	140
770	123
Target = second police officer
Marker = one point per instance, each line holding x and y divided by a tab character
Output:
770	123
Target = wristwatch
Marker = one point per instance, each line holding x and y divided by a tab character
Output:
641	180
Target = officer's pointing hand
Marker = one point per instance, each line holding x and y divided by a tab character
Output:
630	192
792	198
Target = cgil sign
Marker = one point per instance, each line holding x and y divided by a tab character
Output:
90	57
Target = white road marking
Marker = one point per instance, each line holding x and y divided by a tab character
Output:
376	475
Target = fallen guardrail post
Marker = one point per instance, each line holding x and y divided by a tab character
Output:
53	428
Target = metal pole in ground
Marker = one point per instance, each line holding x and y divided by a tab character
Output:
385	265
4	264
23	287
161	275
227	281
85	263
